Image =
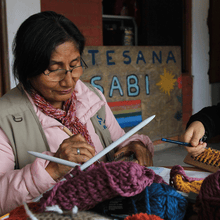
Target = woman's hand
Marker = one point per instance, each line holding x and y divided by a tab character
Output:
68	151
192	135
142	154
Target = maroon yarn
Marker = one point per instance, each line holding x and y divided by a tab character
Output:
98	183
177	169
208	200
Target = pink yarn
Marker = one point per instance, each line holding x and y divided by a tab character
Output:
179	170
98	183
208	200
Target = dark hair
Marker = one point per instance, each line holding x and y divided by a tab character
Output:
36	39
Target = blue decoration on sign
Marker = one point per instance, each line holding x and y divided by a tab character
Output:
178	116
92	82
155	55
179	98
108	57
140	57
126	56
93	52
133	85
129	121
147	85
115	85
170	57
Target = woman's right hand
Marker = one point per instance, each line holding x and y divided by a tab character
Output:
68	151
193	135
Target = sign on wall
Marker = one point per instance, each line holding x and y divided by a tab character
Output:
139	81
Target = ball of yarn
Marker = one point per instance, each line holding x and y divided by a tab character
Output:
98	183
157	199
143	216
208	200
161	200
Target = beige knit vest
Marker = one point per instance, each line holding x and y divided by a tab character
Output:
22	127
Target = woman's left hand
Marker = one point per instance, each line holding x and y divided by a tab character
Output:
142	154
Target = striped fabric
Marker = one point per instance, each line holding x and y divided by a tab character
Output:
127	113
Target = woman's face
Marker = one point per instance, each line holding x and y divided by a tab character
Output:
65	56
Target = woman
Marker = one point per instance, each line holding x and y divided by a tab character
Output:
49	100
203	125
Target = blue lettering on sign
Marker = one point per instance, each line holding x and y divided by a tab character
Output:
93	52
115	85
140	57
155	55
147	85
133	85
171	57
126	56
109	57
92	82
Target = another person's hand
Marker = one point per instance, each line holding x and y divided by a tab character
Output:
192	135
68	151
142	154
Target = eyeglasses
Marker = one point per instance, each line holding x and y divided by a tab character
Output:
60	74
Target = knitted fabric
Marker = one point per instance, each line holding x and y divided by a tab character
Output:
98	183
20	214
209	157
83	215
180	181
157	199
67	116
208	200
143	216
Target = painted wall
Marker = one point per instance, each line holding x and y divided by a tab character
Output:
17	12
200	56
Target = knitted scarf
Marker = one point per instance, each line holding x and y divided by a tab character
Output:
67	116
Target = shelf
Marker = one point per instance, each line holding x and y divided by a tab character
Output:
122	19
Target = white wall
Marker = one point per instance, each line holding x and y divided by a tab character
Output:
17	12
200	56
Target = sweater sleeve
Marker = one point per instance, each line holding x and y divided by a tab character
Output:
18	186
210	118
116	131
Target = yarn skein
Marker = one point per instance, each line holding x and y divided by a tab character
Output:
161	200
98	183
208	200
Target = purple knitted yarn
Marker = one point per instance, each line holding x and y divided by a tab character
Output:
98	183
208	200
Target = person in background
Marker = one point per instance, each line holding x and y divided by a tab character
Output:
51	111
201	126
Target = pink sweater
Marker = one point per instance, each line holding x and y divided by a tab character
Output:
17	186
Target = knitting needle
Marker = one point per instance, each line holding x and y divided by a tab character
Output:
116	143
100	154
176	142
53	159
